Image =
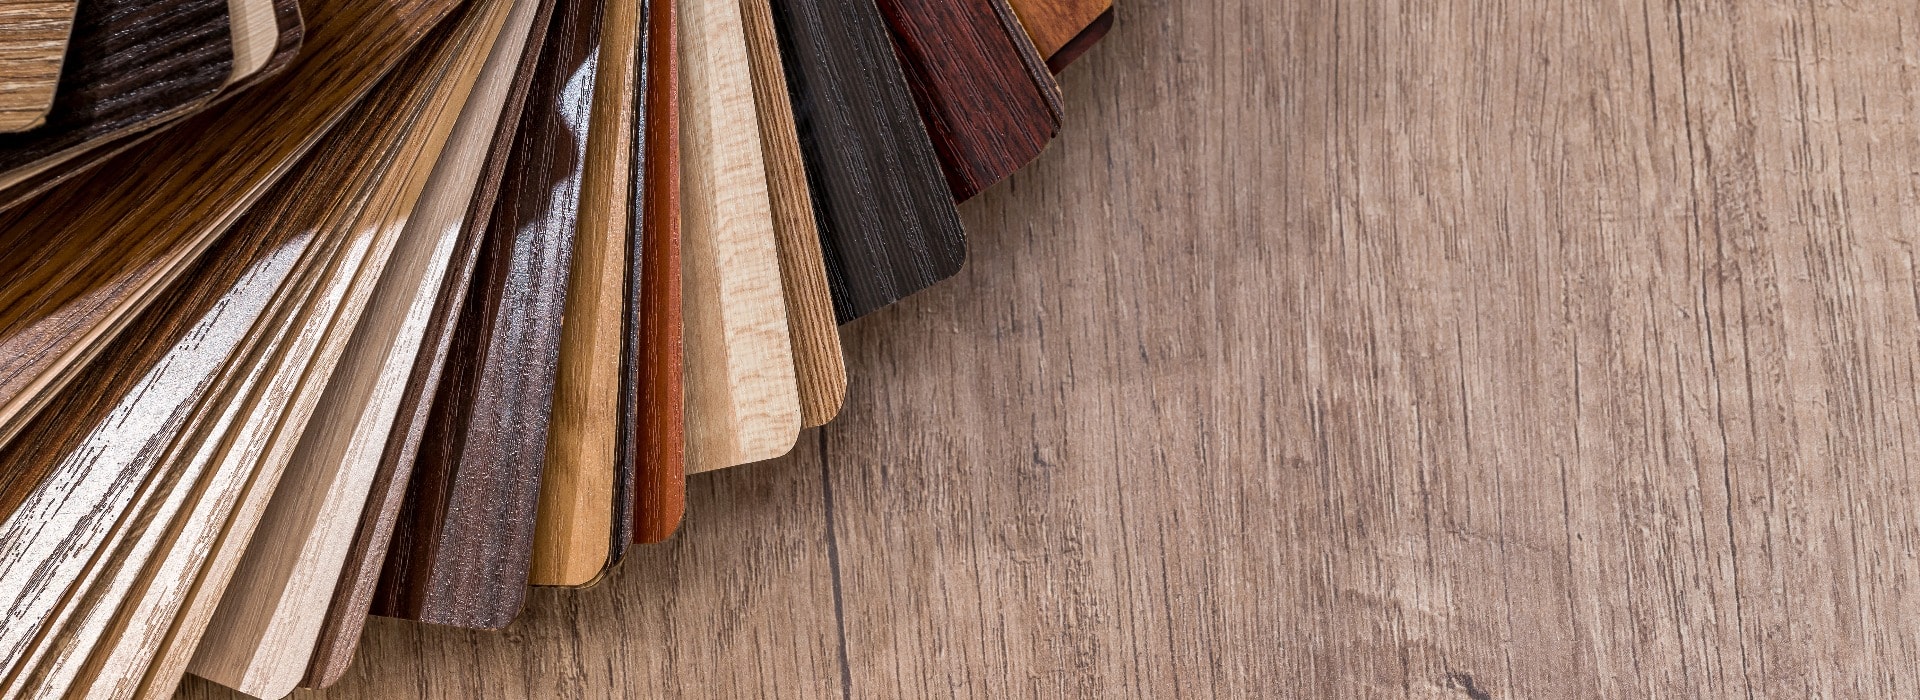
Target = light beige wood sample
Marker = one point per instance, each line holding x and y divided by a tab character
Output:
156	588
256	31
820	365
743	403
33	44
268	616
572	536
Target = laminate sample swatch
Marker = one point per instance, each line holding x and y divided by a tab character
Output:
480	147
1081	42
887	222
33	41
263	632
656	404
819	364
742	401
465	541
573	535
129	64
78	262
1057	26
986	97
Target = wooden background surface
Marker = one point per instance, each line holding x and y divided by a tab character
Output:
1347	349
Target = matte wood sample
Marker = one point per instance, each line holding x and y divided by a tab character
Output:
1081	42
465	541
575	536
887	222
819	365
79	261
656	403
1058	25
986	98
130	64
264	629
480	147
33	41
743	404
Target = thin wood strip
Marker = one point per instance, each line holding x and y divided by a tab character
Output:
743	403
888	226
1053	24
625	446
33	43
79	261
819	365
572	536
658	426
1081	42
476	484
347	612
987	99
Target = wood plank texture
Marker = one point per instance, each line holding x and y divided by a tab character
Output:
887	222
819	365
467	543
986	97
492	144
33	43
574	536
1055	24
743	402
657	398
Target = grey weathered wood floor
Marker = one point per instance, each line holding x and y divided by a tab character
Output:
1348	349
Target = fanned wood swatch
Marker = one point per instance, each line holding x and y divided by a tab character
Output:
575	536
743	404
33	41
986	97
887	222
1057	26
819	365
476	156
264	629
80	260
463	557
656	402
130	64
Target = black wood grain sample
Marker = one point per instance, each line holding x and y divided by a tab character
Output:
130	64
988	100
468	522
887	221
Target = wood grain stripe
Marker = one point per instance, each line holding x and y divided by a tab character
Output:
658	424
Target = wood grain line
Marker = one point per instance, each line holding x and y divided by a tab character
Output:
819	366
658	426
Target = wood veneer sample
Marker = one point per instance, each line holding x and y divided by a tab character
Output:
463	557
1081	42
573	535
33	41
486	132
80	260
129	64
819	364
263	632
656	400
743	404
986	97
888	227
371	160
1055	25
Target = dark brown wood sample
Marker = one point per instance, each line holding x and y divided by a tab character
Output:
359	575
986	96
887	220
656	399
461	555
130	64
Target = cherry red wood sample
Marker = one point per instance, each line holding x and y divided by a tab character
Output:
987	98
888	226
658	422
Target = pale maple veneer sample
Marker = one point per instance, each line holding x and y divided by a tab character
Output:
743	403
33	41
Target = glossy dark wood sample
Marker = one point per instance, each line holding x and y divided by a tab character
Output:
888	225
361	572
987	98
634	345
1080	43
468	522
130	64
657	442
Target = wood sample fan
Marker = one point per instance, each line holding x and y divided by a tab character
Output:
315	310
